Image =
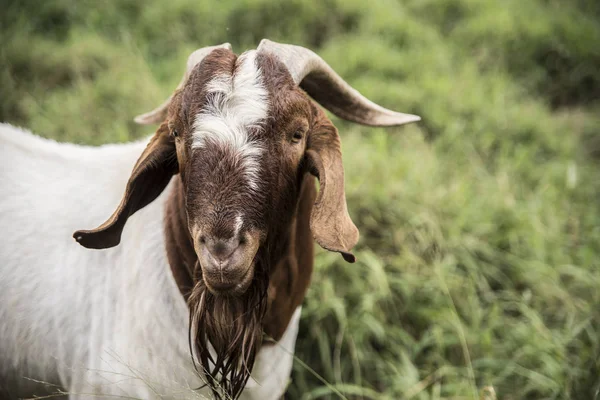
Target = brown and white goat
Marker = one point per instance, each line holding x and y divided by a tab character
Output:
228	210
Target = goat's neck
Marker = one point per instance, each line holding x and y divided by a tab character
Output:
180	248
289	275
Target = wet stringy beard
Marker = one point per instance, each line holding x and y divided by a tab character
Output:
233	327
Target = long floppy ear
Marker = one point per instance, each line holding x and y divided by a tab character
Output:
150	176
330	222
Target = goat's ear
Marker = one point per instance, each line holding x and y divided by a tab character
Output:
330	222
150	176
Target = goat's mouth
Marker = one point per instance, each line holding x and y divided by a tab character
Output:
219	287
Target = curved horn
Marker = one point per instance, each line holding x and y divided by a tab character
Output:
323	84
158	114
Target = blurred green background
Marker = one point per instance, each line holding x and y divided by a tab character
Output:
480	226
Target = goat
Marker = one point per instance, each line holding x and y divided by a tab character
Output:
217	223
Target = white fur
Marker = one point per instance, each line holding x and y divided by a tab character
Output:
237	103
108	322
238	225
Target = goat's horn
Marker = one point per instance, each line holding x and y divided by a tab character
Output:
158	114
324	85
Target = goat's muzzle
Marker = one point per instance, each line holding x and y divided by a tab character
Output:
227	264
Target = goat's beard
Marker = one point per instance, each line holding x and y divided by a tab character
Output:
233	326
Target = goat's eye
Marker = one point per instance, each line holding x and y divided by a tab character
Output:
174	133
297	136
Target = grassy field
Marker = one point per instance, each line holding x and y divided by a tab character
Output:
479	255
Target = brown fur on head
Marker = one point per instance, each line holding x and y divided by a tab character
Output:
241	135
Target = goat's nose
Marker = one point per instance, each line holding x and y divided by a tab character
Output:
221	249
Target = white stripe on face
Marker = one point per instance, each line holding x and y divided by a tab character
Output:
235	104
238	225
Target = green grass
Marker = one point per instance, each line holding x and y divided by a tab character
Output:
480	227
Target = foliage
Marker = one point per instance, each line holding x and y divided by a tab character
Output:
480	227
